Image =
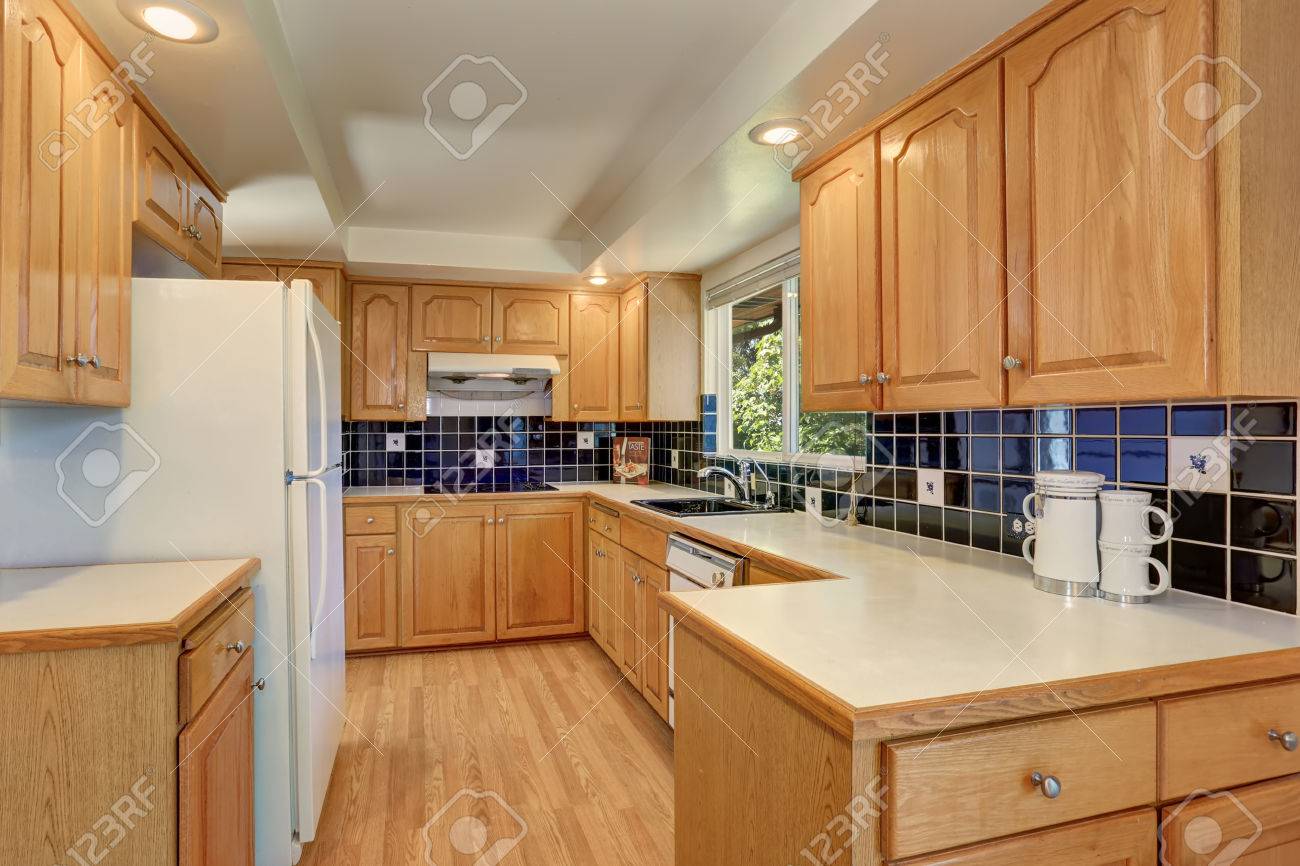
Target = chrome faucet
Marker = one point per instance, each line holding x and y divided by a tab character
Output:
742	489
744	482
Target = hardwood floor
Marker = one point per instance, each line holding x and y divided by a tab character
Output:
454	725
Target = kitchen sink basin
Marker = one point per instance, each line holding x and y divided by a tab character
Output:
706	505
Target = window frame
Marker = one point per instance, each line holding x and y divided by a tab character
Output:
718	333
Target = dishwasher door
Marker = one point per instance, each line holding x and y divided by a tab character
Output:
692	567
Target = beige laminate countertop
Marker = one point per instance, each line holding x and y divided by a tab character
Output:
918	622
83	606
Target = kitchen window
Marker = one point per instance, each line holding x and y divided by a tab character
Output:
755	332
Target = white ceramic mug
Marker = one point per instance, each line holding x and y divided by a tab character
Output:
1125	518
1063	548
1125	576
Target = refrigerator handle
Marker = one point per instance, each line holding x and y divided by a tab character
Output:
322	562
320	395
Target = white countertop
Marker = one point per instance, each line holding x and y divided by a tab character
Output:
918	619
99	596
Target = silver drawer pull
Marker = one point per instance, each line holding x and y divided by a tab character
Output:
238	646
1049	785
1287	740
370	520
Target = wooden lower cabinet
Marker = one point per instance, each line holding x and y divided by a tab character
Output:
370	588
654	634
538	582
631	618
216	776
602	571
448	577
1122	840
1254	826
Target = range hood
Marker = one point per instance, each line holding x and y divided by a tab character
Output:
469	376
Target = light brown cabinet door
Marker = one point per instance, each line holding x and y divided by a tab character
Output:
1109	222
593	357
602	563
107	184
370	588
530	322
161	195
252	271
1128	839
380	352
538	569
631	617
326	283
942	310
839	282
1254	826
633	382
448	577
654	631
451	319
38	185
204	228
216	775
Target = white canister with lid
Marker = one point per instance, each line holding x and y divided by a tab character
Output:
1063	508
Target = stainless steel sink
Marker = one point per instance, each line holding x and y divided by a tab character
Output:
706	505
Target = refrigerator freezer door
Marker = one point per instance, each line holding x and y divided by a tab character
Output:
314	421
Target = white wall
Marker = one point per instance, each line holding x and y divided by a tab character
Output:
763	251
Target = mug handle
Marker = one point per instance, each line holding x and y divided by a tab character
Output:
1031	497
1166	522
1163	584
1024	549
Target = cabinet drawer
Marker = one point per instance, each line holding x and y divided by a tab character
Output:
759	575
369	519
964	787
645	541
212	650
1218	740
606	522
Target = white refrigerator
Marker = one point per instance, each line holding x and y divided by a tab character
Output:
232	446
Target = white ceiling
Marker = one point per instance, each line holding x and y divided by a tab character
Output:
632	133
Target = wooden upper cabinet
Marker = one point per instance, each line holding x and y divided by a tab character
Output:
942	227
539	569
370	583
632	356
253	271
204	228
448	570
103	295
380	349
593	357
1109	222
840	281
530	322
451	319
38	194
215	800
161	198
1254	826
326	284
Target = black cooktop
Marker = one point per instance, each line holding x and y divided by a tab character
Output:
466	489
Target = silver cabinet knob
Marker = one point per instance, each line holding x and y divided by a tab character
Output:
486	338
498	339
863	379
370	520
79	359
198	235
882	377
260	685
236	647
1010	363
1287	740
1049	785
391	551
94	361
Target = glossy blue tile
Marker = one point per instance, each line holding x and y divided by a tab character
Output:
956	452
882	450
929	422
884	423
1264	419
1199	420
986	493
1055	421
709	423
1017	422
1264	466
956	422
930	452
1142	421
987	422
1018	455
1014	491
986	454
1054	452
1144	461
1096	455
905	451
709	402
905	423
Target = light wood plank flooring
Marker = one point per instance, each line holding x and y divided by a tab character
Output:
489	720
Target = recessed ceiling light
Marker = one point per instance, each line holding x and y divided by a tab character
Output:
598	280
781	130
177	20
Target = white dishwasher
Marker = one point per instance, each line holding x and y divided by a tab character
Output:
692	567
